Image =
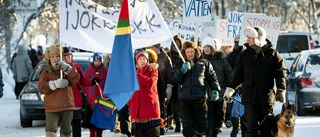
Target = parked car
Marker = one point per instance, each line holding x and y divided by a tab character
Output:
31	101
291	43
303	82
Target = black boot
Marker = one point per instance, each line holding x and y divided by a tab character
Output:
178	126
161	131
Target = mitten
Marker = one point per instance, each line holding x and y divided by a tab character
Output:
228	94
63	66
214	95
59	83
169	91
185	67
95	80
281	95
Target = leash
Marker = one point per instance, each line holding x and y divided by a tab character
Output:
244	122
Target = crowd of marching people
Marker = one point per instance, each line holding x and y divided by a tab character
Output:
190	88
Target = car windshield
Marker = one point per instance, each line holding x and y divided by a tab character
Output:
292	43
38	70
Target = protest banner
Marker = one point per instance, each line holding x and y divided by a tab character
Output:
197	11
90	26
270	24
208	29
185	30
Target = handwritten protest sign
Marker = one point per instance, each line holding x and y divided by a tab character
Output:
89	26
223	31
270	24
208	29
197	11
185	30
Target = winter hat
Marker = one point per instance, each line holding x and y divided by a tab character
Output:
258	33
66	51
97	56
190	44
141	53
214	43
33	52
51	51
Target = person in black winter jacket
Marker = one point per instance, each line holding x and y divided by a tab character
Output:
194	75
233	56
216	108
258	68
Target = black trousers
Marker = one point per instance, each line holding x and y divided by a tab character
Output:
150	132
76	123
216	116
194	116
18	88
255	114
125	121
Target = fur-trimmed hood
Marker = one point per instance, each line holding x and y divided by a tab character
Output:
153	57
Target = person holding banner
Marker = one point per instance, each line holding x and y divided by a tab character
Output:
194	75
258	68
77	89
144	104
216	108
58	99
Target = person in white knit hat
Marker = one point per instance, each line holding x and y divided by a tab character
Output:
216	108
258	68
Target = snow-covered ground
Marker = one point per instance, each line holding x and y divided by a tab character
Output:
306	126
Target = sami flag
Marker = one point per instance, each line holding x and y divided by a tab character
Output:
122	80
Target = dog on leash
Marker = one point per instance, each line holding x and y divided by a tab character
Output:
284	122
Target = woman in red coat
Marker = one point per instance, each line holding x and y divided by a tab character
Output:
144	104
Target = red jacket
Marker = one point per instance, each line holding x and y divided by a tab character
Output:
144	103
84	81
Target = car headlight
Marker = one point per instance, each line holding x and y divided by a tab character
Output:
29	96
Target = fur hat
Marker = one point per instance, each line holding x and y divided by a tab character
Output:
190	44
141	53
214	43
258	33
153	57
51	51
97	56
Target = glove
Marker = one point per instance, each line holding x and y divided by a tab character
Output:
63	66
95	80
214	95
227	94
191	63
59	83
281	95
185	67
169	91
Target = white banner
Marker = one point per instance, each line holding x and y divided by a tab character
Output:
197	11
270	24
89	26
